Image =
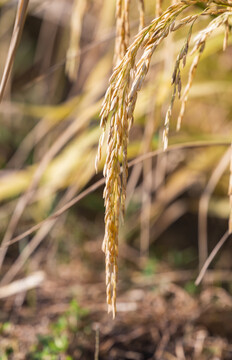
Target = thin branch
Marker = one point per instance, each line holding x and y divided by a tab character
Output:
212	256
18	27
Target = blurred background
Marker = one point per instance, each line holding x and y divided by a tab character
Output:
177	202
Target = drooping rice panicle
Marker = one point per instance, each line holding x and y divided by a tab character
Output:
199	45
118	107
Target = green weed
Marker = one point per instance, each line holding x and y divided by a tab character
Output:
62	330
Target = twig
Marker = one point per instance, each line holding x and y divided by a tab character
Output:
212	256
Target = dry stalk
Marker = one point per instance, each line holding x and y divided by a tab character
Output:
141	14
204	204
122	30
158	8
225	42
73	53
230	193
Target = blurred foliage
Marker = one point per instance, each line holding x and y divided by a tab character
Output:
49	133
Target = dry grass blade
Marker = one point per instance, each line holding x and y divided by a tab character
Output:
18	27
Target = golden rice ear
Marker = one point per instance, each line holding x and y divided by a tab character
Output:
118	106
73	53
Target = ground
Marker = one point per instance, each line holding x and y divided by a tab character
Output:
159	316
